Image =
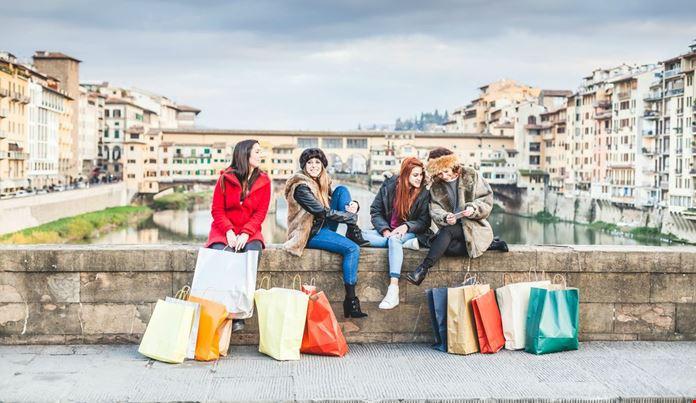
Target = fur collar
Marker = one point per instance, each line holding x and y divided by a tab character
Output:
437	165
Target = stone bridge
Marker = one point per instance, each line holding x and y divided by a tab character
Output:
105	294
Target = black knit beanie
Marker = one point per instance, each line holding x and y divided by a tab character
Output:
310	153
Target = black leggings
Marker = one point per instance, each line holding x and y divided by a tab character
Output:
448	241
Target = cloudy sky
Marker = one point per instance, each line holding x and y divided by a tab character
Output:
333	64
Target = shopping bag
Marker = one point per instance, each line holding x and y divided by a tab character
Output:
228	278
213	315
552	319
225	337
513	301
167	334
180	298
282	314
489	327
322	334
437	302
461	327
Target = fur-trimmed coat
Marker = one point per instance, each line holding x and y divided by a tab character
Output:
299	220
474	192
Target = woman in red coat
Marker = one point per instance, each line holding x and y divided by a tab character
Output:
240	203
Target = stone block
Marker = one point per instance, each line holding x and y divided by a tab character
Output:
39	319
686	318
115	318
125	287
607	337
596	318
677	288
644	318
611	287
405	318
39	287
558	259
521	258
688	262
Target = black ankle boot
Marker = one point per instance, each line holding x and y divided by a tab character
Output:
354	234
497	244
417	276
351	305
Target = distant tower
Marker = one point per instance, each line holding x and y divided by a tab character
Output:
67	70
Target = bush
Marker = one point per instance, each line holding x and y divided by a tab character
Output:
546	217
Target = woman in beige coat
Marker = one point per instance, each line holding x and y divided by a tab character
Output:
460	202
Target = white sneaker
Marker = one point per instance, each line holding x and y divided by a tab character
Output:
391	299
412	244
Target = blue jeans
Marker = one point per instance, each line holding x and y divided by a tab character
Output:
327	239
395	245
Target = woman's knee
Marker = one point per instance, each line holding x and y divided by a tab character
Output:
217	246
394	242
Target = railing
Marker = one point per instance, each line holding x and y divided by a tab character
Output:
653	96
672	73
679	150
24	99
604	104
678	130
624	95
647	132
651	114
674	92
18	155
4	113
3	134
4	92
648	151
664	185
680	111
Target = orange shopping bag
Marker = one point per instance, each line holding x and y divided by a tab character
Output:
322	335
210	328
489	326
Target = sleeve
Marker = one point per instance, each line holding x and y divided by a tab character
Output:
483	199
259	215
438	212
421	221
304	197
377	213
217	209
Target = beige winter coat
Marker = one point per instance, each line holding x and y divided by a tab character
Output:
299	220
474	192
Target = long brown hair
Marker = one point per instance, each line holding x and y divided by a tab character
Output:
240	167
405	192
323	183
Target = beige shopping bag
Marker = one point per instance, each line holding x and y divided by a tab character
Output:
225	336
461	325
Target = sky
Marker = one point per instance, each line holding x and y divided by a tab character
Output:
331	65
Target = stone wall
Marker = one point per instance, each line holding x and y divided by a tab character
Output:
23	212
105	294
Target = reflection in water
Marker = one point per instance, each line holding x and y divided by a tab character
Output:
181	226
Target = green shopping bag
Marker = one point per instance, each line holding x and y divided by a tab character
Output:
552	319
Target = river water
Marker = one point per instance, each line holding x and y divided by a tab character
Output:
181	226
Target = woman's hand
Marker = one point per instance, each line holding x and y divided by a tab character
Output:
231	239
386	233
400	231
450	219
352	207
241	241
468	212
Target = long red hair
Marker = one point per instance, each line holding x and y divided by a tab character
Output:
405	192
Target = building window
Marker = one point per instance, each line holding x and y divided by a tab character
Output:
307	142
356	143
332	143
117	113
117	134
106	113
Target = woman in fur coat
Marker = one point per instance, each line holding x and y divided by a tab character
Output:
314	212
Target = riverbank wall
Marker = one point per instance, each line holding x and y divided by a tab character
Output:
53	294
19	213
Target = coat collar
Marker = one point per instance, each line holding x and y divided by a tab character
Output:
231	178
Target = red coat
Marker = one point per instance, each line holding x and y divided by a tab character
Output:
229	214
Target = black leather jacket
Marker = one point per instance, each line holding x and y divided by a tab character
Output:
305	198
418	218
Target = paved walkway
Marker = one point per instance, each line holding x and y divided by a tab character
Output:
413	372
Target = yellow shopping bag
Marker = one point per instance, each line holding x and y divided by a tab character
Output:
461	326
167	335
281	314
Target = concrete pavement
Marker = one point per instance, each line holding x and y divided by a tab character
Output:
599	371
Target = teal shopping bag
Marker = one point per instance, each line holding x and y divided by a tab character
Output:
552	319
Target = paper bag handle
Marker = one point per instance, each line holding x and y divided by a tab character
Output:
268	281
504	278
297	276
183	293
562	278
468	276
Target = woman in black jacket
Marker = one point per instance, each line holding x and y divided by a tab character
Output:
401	219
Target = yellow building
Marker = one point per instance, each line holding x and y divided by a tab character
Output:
14	97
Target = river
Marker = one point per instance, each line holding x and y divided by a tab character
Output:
181	226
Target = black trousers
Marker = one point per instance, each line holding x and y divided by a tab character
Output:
449	241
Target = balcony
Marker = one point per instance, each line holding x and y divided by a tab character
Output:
4	113
664	185
603	115
624	95
679	151
672	73
604	104
650	114
653	96
24	99
674	92
648	151
3	134
18	155
680	111
678	130
648	132
4	92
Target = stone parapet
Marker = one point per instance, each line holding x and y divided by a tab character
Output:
56	294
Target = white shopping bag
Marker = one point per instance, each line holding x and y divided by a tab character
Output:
228	278
513	301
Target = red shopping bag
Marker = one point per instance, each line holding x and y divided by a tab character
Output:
322	335
489	326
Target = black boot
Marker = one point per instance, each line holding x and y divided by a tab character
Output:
417	276
351	305
497	244
354	234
